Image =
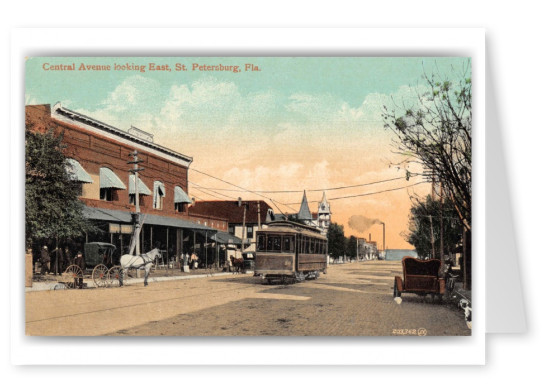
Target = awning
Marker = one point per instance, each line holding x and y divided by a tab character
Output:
142	188
107	215
181	196
108	179
178	223
225	238
76	172
120	216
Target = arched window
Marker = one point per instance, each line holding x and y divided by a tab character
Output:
158	194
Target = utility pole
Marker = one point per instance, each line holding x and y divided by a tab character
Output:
240	203
384	239
258	209
441	224
137	227
432	237
259	221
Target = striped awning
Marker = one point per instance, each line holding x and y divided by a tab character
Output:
108	179
142	188
181	196
76	172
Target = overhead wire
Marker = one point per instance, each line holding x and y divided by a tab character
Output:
242	188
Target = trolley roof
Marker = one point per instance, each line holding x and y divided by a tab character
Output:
292	227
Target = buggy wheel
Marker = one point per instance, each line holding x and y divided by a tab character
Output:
114	274
71	273
100	275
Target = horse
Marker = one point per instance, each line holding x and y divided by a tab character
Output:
136	261
238	264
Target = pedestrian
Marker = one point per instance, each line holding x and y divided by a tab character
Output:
57	261
228	264
79	261
194	261
45	260
67	258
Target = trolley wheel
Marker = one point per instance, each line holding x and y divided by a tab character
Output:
114	274
100	275
71	273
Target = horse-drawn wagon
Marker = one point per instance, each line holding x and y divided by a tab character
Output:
99	266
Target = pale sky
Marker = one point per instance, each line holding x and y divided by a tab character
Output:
294	124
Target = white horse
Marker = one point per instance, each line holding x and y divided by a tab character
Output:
136	261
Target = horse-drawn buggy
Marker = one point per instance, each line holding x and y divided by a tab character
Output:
98	265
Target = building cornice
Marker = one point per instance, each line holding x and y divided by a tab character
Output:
70	117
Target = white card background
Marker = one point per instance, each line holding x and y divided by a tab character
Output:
288	351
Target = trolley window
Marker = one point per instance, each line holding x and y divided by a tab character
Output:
304	245
288	244
312	246
261	242
274	243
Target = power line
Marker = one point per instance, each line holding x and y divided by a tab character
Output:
242	188
377	192
309	190
200	189
366	194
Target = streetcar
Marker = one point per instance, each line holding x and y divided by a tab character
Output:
289	252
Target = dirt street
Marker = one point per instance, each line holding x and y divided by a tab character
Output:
351	300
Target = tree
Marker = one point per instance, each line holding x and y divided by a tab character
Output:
424	227
436	131
52	207
336	240
352	246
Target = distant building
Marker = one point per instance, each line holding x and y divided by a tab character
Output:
231	211
367	250
321	220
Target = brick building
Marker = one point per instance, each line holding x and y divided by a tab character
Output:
98	155
253	210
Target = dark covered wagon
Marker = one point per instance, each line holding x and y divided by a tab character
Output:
420	277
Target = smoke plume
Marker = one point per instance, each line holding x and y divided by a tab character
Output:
361	223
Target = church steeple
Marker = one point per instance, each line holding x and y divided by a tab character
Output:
304	212
323	206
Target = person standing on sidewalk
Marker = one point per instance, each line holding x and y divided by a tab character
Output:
194	260
45	260
79	261
67	258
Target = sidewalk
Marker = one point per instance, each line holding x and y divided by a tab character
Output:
50	283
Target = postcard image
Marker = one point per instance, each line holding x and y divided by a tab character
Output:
248	196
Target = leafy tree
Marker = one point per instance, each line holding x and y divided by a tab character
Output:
436	131
351	246
424	227
52	207
336	240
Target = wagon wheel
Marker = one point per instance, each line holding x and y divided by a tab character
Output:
71	273
397	293
100	275
113	275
